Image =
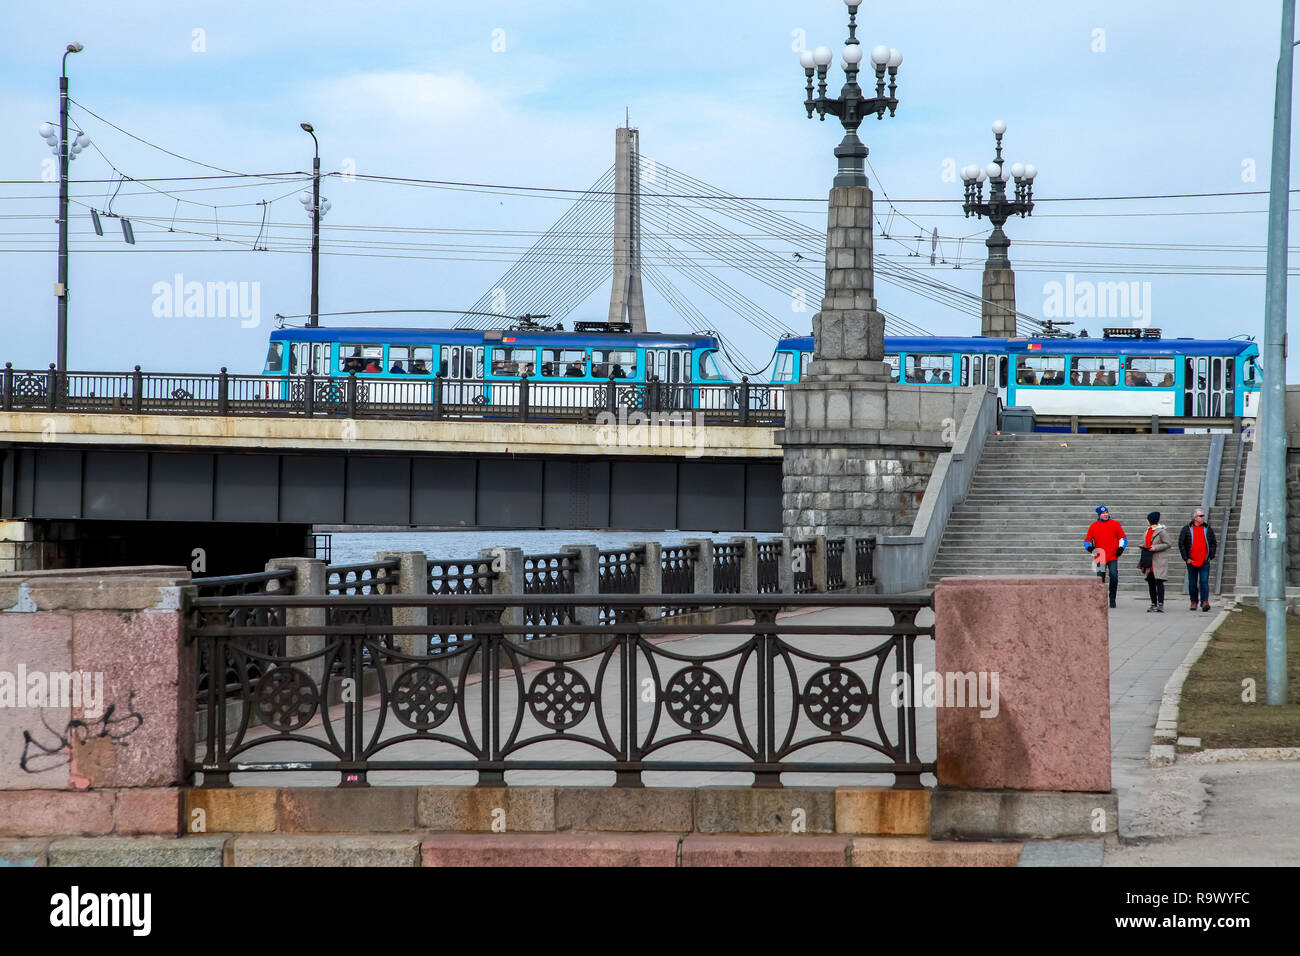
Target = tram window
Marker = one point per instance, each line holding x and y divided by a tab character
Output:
686	366
1250	371
361	358
709	368
612	363
1040	370
965	370
1094	370
929	369
784	371
455	363
892	362
513	361
1150	372
1002	372
976	368
409	359
478	361
275	357
564	363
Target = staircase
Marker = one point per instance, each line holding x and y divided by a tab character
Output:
1033	497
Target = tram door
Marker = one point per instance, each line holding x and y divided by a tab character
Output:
1209	388
995	373
462	367
311	357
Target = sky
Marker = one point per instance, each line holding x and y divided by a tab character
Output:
1105	98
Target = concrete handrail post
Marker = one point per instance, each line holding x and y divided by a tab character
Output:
1248	526
703	564
310	578
785	573
413	578
652	574
818	564
849	564
508	563
586	580
748	564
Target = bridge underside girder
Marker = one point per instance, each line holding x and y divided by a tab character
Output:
386	489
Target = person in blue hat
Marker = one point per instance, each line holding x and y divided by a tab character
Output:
1106	542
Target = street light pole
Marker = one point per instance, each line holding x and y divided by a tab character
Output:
1272	497
852	106
61	291
315	229
998	307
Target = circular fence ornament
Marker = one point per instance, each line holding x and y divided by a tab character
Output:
286	698
559	697
835	699
696	697
423	698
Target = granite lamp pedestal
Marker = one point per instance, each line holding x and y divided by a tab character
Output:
857	449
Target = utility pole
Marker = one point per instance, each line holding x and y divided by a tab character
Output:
62	290
1272	576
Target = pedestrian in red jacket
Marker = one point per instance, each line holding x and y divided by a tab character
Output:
1105	538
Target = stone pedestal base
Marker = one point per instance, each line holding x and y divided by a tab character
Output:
998	314
858	454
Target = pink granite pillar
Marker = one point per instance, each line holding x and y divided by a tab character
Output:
1038	648
96	697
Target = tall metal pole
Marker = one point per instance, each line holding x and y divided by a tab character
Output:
1272	577
315	240
61	358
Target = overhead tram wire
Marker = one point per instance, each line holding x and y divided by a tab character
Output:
780	226
775	262
523	282
692	316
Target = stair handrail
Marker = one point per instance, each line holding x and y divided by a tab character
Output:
1227	517
903	562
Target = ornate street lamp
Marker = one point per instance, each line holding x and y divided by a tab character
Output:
853	105
999	208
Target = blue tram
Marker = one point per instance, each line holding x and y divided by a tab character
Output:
1129	372
484	367
1122	374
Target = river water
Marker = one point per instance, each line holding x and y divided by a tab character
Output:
356	547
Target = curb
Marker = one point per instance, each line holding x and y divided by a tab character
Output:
1232	754
1162	752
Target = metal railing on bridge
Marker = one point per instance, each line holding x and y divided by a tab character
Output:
359	397
785	696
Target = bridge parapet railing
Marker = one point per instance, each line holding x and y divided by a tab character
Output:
783	695
805	555
365	578
770	556
549	574
728	566
352	395
835	564
449	576
251	664
864	561
678	573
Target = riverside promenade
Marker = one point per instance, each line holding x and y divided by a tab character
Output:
1159	809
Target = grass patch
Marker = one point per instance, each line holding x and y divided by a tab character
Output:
1211	706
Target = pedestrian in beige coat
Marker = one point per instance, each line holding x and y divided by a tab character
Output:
1157	546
